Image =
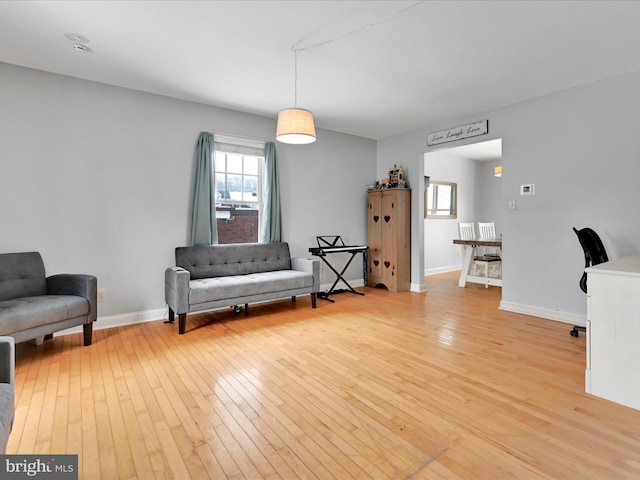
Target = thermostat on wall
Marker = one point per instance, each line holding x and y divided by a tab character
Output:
528	189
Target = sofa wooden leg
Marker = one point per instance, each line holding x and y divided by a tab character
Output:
182	322
246	309
88	333
48	337
172	316
313	299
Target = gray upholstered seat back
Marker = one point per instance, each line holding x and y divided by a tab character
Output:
233	259
21	275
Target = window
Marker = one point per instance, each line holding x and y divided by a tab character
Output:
441	200
237	179
238	196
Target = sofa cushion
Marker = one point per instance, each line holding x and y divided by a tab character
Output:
28	312
208	261
237	286
21	275
7	408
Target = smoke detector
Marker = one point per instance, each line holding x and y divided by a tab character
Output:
79	42
76	38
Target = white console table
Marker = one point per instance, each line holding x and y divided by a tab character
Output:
613	331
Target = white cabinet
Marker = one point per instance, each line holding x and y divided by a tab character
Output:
613	331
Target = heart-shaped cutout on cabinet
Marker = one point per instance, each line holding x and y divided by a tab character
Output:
387	218
376	262
376	218
387	263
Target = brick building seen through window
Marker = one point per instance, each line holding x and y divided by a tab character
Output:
240	227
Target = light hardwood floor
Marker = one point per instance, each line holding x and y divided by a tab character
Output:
440	385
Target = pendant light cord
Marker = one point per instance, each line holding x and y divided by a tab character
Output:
295	49
357	30
295	76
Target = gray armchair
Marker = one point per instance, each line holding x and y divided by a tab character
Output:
33	306
7	401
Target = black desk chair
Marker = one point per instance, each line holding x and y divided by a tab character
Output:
594	254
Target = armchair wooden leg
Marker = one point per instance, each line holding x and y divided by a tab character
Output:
182	322
88	333
313	300
172	316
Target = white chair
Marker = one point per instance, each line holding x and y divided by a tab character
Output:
466	231
487	230
491	255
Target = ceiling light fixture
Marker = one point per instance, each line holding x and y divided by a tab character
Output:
79	42
295	125
76	38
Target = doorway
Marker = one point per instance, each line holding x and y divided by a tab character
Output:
479	197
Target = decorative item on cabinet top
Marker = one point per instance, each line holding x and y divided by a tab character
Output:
394	179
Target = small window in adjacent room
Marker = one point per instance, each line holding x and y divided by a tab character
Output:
441	200
238	170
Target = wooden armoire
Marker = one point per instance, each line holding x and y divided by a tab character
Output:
389	238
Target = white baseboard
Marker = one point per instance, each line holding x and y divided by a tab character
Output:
123	319
354	283
120	320
564	317
436	271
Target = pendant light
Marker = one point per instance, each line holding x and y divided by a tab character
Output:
295	125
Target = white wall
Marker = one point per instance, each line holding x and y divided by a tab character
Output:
98	179
581	149
440	253
489	194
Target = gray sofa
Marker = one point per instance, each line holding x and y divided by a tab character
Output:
7	394
212	276
33	306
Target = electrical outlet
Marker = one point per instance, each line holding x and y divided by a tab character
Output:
512	204
102	294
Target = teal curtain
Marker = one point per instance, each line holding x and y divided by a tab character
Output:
270	229
204	230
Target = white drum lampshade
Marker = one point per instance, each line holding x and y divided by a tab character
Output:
295	126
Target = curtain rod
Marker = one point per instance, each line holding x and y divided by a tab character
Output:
239	137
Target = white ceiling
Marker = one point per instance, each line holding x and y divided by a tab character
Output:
433	61
483	151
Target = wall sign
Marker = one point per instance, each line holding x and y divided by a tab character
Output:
458	133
